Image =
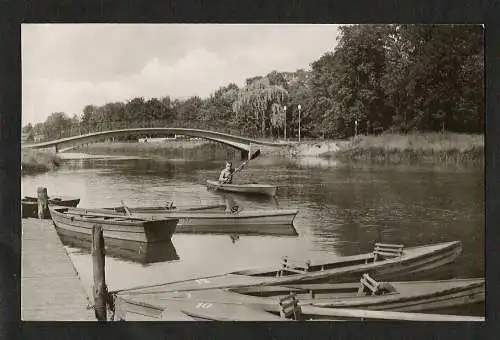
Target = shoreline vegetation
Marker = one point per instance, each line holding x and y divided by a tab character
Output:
37	161
433	148
437	148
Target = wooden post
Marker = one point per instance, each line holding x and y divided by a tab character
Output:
43	202
100	290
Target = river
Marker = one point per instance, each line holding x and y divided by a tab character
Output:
343	210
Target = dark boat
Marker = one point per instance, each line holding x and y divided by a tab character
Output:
126	228
29	205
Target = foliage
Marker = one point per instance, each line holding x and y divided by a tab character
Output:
399	78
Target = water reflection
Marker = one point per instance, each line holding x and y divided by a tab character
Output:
139	252
343	209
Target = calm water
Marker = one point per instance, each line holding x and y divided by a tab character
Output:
343	210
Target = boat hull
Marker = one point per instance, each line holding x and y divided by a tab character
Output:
411	296
249	189
269	222
29	205
114	227
346	269
223	305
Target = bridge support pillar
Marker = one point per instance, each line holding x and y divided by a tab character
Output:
245	155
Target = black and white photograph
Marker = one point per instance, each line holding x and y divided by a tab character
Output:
252	172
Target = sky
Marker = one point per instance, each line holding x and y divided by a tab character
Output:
68	66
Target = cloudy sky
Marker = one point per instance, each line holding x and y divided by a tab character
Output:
68	66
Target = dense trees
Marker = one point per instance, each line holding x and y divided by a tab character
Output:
386	77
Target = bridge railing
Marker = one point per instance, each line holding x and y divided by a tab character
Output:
118	125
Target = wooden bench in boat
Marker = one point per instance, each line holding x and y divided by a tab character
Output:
289	307
384	250
294	266
376	288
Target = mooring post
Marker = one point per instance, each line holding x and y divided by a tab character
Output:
43	202
100	290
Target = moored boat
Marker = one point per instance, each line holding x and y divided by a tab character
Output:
114	227
29	204
341	269
409	296
270	222
252	188
222	305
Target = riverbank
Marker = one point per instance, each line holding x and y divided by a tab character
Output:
437	148
447	148
35	161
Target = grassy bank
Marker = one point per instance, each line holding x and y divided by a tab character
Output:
447	148
34	161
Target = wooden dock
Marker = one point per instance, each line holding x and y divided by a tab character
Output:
50	287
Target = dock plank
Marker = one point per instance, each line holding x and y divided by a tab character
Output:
50	287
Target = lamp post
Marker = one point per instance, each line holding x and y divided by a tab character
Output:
284	108
299	107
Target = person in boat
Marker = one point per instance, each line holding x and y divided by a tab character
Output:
226	175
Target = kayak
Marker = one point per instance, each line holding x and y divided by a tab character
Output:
254	189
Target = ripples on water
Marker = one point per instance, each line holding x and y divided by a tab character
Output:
343	210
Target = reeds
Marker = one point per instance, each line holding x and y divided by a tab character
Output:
415	148
35	161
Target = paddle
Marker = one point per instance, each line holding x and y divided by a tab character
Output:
253	156
127	210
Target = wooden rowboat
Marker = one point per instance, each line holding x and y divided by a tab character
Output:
254	189
407	296
224	305
408	263
114	227
269	222
29	205
410	296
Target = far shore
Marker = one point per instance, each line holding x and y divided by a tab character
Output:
38	161
436	148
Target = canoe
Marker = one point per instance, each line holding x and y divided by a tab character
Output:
412	261
138	252
222	305
29	205
254	189
268	222
114	227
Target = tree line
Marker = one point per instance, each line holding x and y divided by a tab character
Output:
397	78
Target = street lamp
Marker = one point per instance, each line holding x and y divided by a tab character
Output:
284	108
299	107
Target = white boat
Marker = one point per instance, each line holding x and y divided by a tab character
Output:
254	189
272	222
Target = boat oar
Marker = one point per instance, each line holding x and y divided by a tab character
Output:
127	210
253	156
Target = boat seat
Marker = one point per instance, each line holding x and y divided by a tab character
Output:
289	307
384	250
376	288
294	266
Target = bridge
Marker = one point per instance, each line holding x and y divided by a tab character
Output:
245	145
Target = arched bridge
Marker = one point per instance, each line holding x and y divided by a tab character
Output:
246	145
